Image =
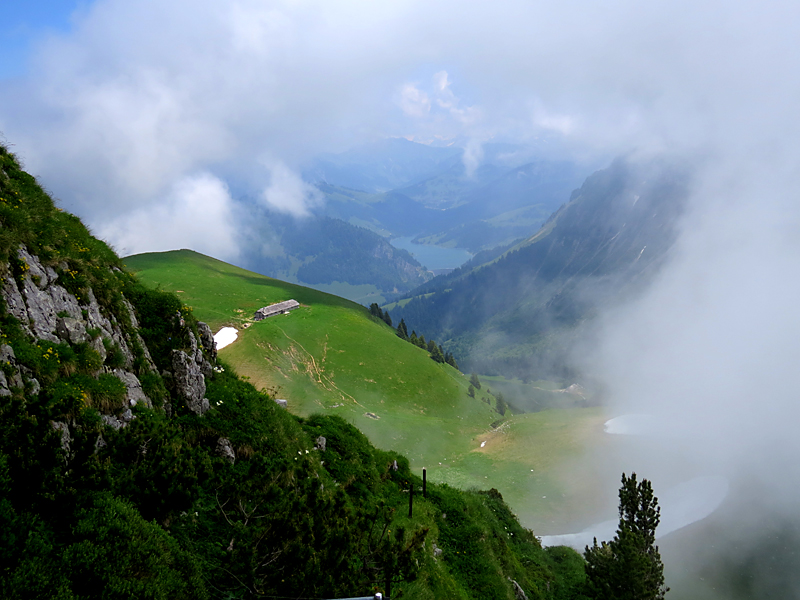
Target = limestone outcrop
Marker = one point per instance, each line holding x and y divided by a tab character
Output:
47	310
189	381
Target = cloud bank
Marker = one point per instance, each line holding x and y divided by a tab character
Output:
139	95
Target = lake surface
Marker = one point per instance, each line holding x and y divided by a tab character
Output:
433	257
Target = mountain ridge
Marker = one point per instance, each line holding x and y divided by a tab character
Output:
610	237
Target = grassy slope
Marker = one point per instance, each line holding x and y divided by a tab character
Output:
327	356
330	357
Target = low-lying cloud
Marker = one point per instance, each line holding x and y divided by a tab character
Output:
198	214
287	193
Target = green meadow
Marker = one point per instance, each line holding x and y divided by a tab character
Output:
330	356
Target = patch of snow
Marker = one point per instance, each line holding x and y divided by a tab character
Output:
631	425
225	337
682	505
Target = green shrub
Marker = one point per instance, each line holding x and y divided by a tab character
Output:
117	554
88	359
115	359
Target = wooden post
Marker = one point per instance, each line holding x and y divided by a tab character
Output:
424	483
410	501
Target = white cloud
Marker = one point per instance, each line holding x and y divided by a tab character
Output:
473	154
288	193
196	214
413	101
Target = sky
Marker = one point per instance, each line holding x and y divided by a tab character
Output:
129	111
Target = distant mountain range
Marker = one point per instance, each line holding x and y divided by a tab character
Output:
398	188
517	313
437	200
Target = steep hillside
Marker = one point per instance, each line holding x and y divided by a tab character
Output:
134	465
516	313
327	356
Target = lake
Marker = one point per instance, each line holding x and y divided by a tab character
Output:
433	257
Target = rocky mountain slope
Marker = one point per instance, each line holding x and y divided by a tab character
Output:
516	313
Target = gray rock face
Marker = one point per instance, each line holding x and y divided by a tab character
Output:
47	311
225	450
189	382
44	299
135	394
7	357
282	403
206	369
112	421
4	389
320	444
7	354
519	593
207	339
15	303
71	330
63	429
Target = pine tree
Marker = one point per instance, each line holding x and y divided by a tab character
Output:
402	330
471	391
473	379
387	318
629	567
436	354
450	360
375	310
421	342
502	405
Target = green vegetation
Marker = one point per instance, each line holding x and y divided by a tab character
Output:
436	352
331	357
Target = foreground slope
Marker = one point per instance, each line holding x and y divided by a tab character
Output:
133	465
330	357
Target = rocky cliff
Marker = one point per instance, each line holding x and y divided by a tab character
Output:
65	316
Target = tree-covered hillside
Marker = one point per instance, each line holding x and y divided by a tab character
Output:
516	314
323	250
133	464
